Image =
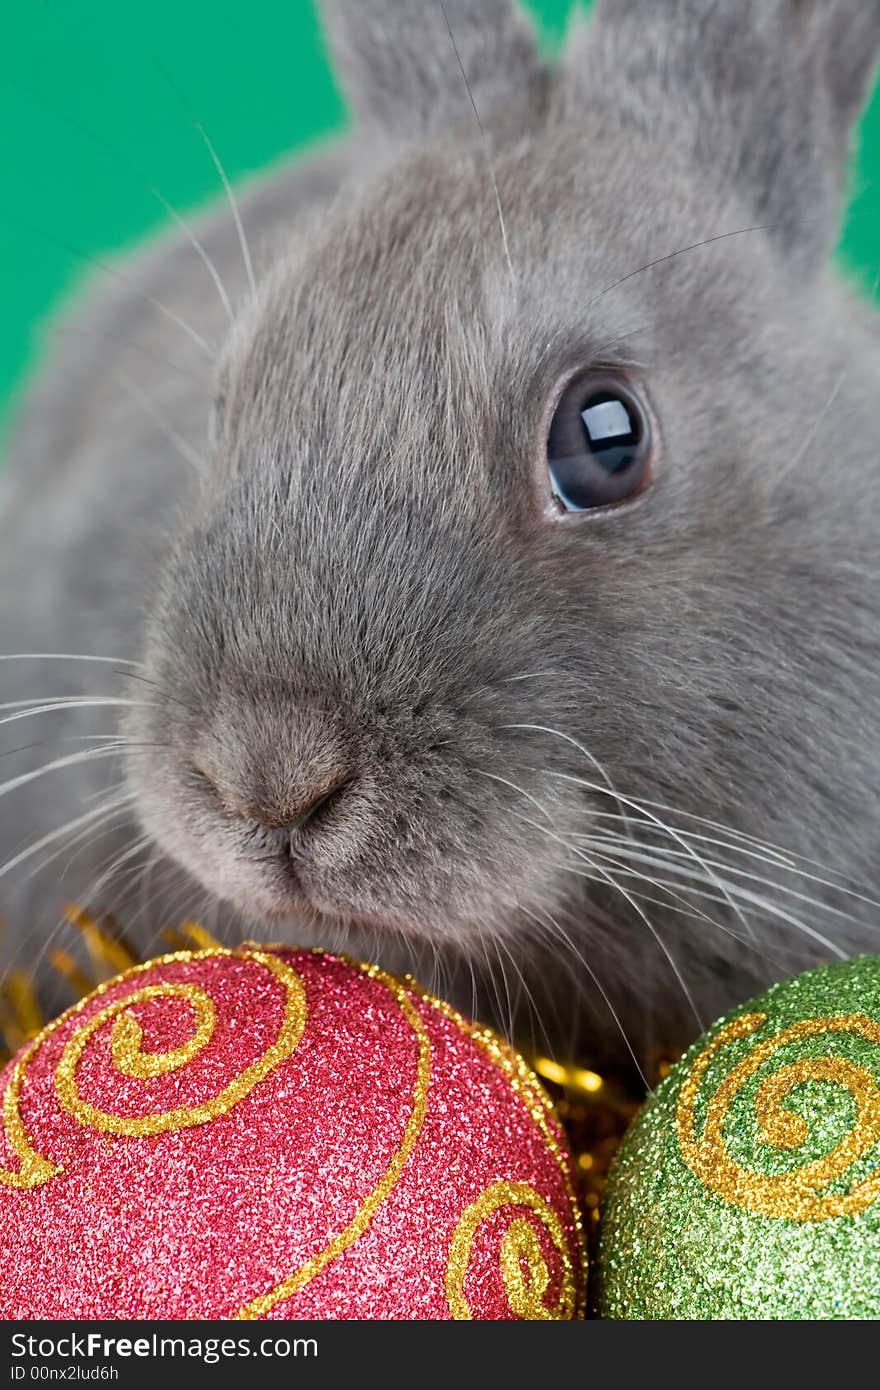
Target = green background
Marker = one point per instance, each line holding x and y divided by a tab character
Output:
98	100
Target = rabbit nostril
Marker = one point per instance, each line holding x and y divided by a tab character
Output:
266	842
288	836
318	803
304	835
202	775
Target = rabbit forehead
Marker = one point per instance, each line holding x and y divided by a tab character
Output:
462	271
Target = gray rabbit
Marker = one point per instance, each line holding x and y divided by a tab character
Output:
480	539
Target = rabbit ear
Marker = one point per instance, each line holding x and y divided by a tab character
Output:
763	94
406	64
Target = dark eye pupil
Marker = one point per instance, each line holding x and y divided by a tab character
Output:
612	433
598	450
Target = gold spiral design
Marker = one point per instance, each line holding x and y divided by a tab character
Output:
127	1036
528	1089
797	1195
259	1307
126	1051
33	1170
520	1246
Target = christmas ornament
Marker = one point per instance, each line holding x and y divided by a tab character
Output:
265	1133
749	1185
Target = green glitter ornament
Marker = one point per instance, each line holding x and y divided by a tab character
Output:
749	1184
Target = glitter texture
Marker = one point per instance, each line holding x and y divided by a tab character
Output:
748	1185
279	1134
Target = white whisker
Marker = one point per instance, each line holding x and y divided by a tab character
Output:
812	434
189	455
66	656
68	329
662	858
535	1014
609	877
62	923
778	850
233	207
550	924
130	167
95	830
780	887
670	889
491	976
770	856
87	819
126	279
509	1030
200	251
758	903
32	710
608	790
72	760
136	847
492	777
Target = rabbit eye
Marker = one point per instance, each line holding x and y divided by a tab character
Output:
599	449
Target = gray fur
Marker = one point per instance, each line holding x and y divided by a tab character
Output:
760	94
365	586
406	76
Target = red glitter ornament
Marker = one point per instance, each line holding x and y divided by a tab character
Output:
279	1134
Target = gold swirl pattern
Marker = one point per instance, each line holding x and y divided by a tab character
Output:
127	1037
259	1307
520	1247
525	1084
798	1195
34	1170
125	1047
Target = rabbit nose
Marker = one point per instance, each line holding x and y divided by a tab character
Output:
287	777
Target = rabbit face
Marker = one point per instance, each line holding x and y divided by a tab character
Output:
543	497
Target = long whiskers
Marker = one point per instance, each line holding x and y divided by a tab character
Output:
182	446
738	872
128	280
766	854
89	819
535	1014
612	880
779	851
71	760
76	330
502	781
622	800
550	926
27	709
104	876
233	207
765	905
130	167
